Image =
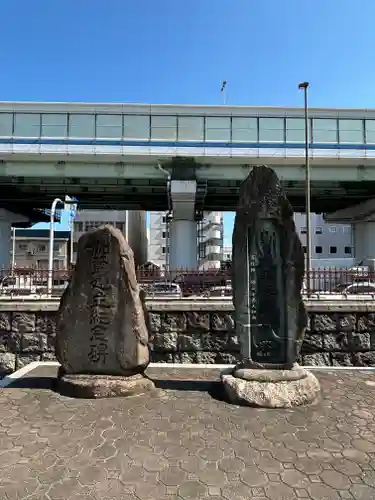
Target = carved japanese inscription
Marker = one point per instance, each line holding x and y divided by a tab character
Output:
101	324
268	269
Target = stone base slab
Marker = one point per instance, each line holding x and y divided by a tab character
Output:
265	392
103	386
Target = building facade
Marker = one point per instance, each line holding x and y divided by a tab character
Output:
329	241
31	249
132	223
210	238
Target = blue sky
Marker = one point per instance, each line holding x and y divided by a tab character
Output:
176	51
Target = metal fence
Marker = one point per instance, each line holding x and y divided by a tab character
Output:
190	283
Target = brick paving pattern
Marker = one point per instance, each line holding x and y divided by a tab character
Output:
186	443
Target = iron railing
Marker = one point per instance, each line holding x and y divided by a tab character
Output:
192	283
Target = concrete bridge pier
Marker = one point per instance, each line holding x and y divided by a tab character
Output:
183	226
7	219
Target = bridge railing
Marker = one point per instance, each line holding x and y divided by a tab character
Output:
187	283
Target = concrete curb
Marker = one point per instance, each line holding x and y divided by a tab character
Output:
9	379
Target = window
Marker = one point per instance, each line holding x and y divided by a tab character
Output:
217	128
54	125
78	226
136	127
120	226
43	248
164	127
81	125
23	246
6	124
303	230
304	249
324	130
351	131
318	230
332	249
271	130
370	131
295	130
165	234
244	130
27	124
318	250
190	128
348	250
163	250
109	126
163	219
332	229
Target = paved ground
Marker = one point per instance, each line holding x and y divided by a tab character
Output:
187	443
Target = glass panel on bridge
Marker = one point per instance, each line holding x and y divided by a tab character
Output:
271	130
54	125
81	125
27	124
137	127
325	130
164	127
370	131
351	131
6	124
218	128
109	126
244	129
295	130
190	128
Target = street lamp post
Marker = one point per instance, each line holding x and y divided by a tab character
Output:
51	235
305	86
13	249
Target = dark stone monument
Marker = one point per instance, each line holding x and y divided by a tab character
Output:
267	277
102	337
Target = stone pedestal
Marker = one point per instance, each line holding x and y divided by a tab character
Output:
271	388
103	386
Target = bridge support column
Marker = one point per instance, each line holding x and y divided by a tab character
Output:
364	240
7	219
183	226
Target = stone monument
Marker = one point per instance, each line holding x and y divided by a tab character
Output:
102	337
267	276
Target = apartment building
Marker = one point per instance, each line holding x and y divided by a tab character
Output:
210	237
329	240
131	222
31	249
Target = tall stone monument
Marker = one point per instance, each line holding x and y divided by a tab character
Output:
102	337
268	271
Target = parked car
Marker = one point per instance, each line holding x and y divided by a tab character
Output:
163	289
359	288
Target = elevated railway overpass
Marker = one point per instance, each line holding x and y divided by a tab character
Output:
184	158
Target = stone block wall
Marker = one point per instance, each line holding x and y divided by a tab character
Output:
333	338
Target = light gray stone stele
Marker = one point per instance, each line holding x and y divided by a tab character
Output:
101	326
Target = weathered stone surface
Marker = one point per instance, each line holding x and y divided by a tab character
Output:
101	327
259	375
104	386
23	322
341	359
364	359
173	322
324	323
318	359
5	321
272	394
268	270
335	342
164	341
222	322
25	359
7	363
198	321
